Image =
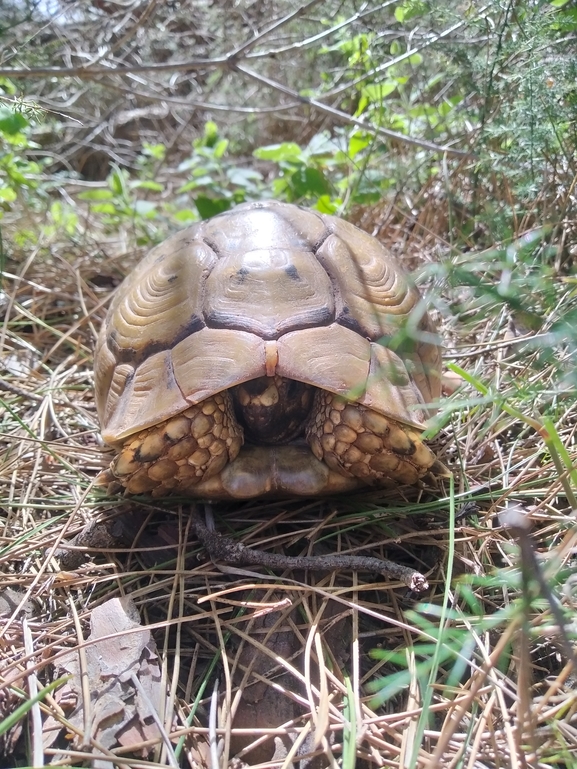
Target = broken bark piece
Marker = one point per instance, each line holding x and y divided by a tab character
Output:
124	682
11	600
96	534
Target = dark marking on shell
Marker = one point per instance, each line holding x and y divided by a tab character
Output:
130	355
292	272
345	319
320	317
241	274
315	246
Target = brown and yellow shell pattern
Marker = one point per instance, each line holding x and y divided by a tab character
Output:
269	350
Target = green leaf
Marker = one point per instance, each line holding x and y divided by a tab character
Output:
7	194
327	206
409	10
350	732
189	163
56	212
243	177
376	93
210	134
25	238
362	105
96	195
208	207
17	177
198	173
11	122
156	151
321	145
117	182
309	180
203	181
288	151
220	148
280	187
104	208
147	185
7	86
358	142
387	688
400	14
185	215
145	208
64	217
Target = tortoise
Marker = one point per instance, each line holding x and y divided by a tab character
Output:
270	350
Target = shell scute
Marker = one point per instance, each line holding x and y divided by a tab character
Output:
373	288
161	305
213	360
148	395
390	390
258	226
269	292
267	288
332	358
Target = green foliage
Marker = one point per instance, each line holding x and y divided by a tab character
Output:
517	107
410	9
303	172
451	641
520	279
121	202
393	84
11	123
140	199
216	181
19	176
320	175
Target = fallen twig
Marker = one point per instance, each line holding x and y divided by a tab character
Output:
220	547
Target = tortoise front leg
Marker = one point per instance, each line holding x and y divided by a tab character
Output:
357	441
179	453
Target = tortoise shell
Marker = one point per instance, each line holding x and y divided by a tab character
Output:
268	322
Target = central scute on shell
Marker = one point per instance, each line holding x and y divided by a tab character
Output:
269	292
263	290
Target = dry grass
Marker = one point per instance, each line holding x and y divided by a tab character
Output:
246	658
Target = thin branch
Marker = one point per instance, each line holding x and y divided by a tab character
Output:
205	105
403	57
321	35
88	72
230	550
271	28
343	117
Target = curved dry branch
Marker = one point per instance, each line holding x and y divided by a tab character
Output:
156	81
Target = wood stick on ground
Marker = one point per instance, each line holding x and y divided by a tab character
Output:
230	551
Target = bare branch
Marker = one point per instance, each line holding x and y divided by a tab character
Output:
275	25
343	117
88	72
403	57
229	550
